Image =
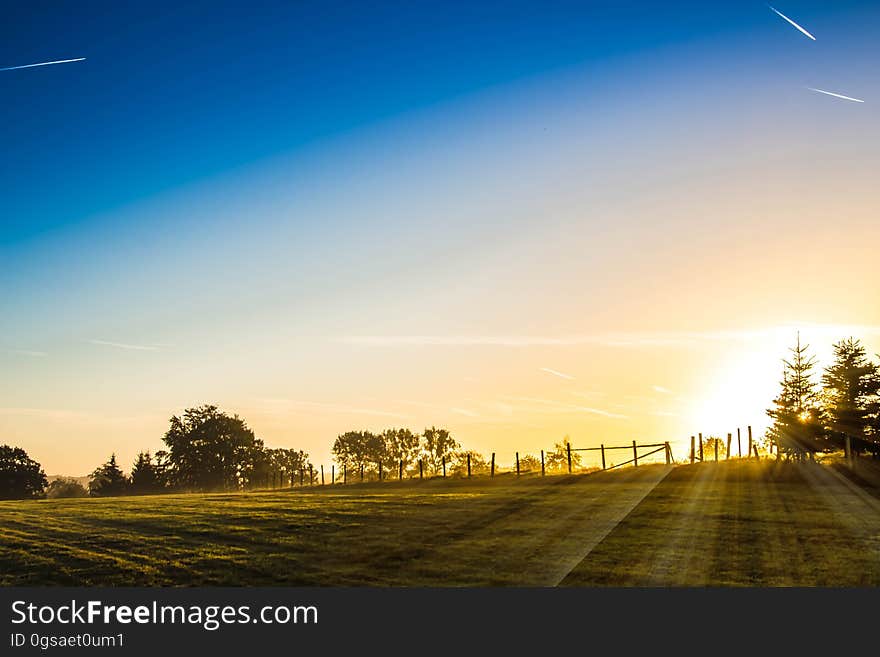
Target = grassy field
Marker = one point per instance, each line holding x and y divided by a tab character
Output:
710	524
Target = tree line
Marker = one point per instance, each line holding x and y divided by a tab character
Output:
209	450
205	450
400	452
811	415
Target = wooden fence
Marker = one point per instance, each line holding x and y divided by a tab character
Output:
696	453
311	477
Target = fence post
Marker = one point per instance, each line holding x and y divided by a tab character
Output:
716	450
568	451
322	475
444	467
700	436
517	464
729	438
602	447
311	474
380	470
362	471
400	472
750	441
333	474
693	447
469	465
848	450
301	476
739	447
635	455
344	474
542	463
668	454
492	471
421	470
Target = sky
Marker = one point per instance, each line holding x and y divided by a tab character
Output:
521	221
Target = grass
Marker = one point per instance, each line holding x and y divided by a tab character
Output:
742	524
717	524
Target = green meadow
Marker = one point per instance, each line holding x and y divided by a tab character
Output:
733	523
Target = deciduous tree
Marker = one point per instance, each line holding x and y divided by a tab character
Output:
21	477
437	445
211	450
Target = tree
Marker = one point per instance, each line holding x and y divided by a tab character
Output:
21	478
798	419
108	480
400	445
280	467
709	445
558	458
66	487
360	449
437	445
530	463
144	477
851	385
164	469
479	464
210	450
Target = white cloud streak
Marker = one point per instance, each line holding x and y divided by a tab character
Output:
28	352
831	93
557	406
561	375
57	61
122	345
622	339
791	22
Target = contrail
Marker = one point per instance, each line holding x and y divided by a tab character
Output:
780	14
829	93
57	61
561	375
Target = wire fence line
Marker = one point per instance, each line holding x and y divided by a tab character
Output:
574	460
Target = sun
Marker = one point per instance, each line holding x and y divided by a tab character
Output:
736	393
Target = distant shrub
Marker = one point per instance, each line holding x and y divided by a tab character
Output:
529	463
65	487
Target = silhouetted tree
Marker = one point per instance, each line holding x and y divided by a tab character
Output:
210	450
479	464
66	487
144	478
356	449
400	445
798	421
851	385
438	444
108	480
164	469
558	458
279	467
21	478
531	463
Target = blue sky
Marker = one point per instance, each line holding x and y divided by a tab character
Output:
265	204
174	94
